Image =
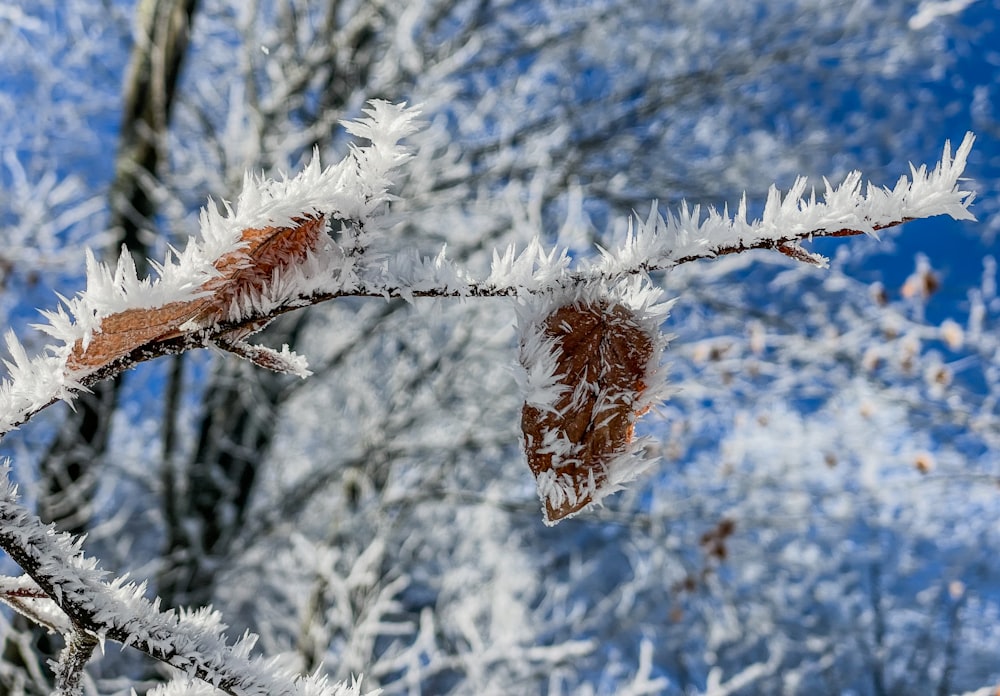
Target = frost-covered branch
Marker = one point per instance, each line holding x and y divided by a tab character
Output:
268	250
101	610
660	242
268	255
788	221
72	663
274	252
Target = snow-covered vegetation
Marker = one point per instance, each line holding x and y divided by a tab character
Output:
780	467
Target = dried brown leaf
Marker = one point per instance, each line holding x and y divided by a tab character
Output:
242	271
603	355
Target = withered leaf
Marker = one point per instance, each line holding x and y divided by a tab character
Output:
602	358
245	270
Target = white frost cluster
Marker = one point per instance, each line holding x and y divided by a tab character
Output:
312	686
407	274
31	384
353	191
661	242
535	268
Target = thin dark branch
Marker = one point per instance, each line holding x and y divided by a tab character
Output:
206	337
61	572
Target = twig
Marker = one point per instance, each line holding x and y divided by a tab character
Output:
73	661
114	611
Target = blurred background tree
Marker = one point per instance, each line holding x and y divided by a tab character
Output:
825	515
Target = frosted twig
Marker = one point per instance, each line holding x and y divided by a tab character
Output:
73	659
116	610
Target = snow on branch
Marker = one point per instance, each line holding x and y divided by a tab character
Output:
100	609
274	251
658	243
277	244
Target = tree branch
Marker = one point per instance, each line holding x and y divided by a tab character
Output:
73	661
117	611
